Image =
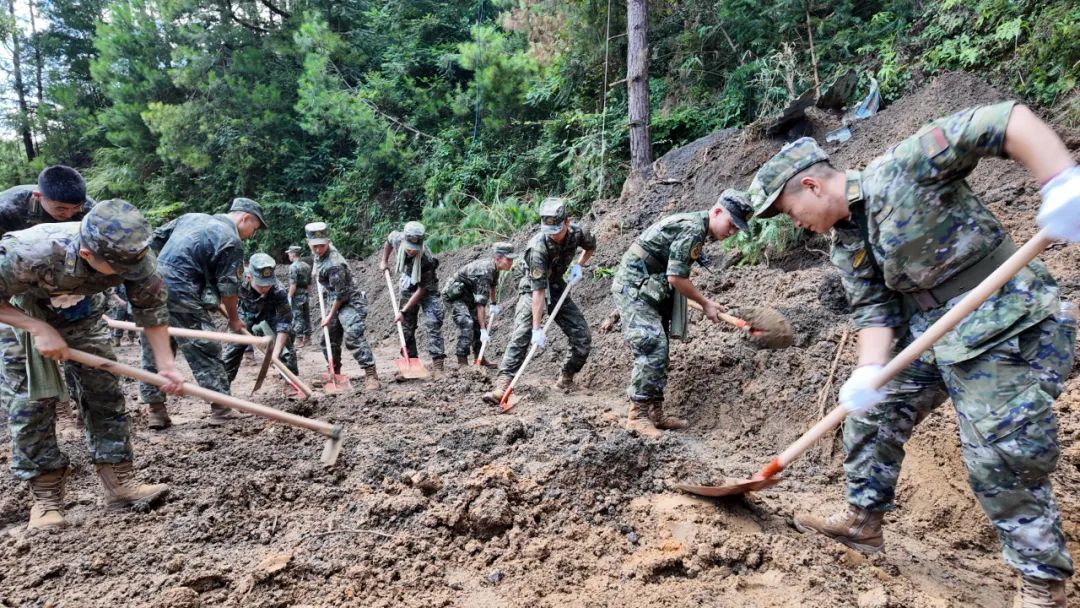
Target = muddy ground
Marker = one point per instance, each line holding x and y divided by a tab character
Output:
439	501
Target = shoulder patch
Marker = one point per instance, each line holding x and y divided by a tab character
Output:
537	273
239	272
695	252
933	142
859	257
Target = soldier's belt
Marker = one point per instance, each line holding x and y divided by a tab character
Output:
652	263
964	281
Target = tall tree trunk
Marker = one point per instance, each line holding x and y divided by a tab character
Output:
637	82
16	64
38	68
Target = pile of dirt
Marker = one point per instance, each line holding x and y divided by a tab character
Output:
437	500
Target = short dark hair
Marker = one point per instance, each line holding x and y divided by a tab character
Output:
822	169
62	184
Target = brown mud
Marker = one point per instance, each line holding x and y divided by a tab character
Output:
437	500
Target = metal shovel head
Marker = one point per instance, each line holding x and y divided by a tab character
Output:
768	328
335	383
731	487
509	402
411	368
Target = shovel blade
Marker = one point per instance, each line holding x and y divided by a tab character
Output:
335	383
509	402
730	487
411	368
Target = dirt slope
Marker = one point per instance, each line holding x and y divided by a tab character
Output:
438	501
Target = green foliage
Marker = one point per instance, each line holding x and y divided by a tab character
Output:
765	237
477	222
603	272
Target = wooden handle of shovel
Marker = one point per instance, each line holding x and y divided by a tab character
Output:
324	428
906	357
736	321
195	334
394	304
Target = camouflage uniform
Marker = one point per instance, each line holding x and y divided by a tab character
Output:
430	303
643	295
37	265
198	252
916	225
334	275
466	290
19	210
544	262
300	275
256	309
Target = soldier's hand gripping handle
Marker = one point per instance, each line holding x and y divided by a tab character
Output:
50	343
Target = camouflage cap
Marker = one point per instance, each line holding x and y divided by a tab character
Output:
504	249
413	236
261	269
249	206
294	249
769	180
317	233
117	232
552	214
738	207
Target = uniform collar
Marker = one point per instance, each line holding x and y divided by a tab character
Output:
853	191
704	216
73	264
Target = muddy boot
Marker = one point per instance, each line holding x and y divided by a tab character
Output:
121	487
158	416
496	394
566	382
462	361
637	419
1040	593
438	368
855	527
371	379
48	492
220	415
660	421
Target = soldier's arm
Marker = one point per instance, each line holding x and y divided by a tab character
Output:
161	236
338	287
588	246
876	309
387	249
414	300
47	340
1032	143
227	266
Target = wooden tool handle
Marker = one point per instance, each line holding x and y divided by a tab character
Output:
736	321
291	377
195	334
324	428
906	357
394	306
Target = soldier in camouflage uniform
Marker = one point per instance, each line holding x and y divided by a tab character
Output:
299	281
419	290
59	196
346	315
910	238
119	311
469	291
546	258
653	272
264	307
52	283
202	258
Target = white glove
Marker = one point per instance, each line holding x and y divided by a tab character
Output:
484	336
405	281
538	337
575	273
858	393
493	310
1060	211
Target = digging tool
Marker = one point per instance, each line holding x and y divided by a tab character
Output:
767	476
766	327
509	400
333	432
483	347
408	367
302	389
198	334
335	383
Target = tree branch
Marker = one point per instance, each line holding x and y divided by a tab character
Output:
276	10
375	108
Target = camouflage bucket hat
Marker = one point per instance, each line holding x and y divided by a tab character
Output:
249	206
413	236
317	233
117	232
769	180
552	215
738	207
261	269
504	249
